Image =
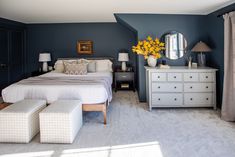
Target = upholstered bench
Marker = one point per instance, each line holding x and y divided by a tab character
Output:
60	121
19	122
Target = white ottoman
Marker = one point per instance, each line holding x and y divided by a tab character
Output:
19	122
60	121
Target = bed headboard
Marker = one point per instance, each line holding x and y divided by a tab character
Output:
91	58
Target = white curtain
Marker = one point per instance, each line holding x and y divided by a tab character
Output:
228	104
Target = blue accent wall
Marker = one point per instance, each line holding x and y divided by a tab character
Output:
60	40
193	27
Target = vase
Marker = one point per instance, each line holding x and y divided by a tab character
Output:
152	61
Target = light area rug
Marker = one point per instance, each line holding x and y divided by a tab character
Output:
133	131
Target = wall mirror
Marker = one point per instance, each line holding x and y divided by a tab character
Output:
175	45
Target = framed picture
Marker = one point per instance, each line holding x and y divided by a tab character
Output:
85	47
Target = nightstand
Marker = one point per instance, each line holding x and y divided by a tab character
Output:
37	73
124	80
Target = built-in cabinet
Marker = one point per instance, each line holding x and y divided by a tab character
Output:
12	56
181	86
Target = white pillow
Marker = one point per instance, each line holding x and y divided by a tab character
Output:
104	65
59	66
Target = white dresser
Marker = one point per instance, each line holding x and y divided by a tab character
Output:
181	86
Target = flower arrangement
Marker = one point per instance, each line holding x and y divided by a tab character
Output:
149	47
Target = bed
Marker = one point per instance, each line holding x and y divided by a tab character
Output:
93	89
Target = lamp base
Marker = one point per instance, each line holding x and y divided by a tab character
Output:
201	59
44	67
123	66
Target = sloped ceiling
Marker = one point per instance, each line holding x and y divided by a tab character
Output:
64	11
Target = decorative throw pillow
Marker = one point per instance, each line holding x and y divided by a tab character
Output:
75	68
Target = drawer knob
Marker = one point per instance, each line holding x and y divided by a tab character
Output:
175	99
158	87
159	99
191	87
158	77
175	87
190	77
207	87
206	76
191	98
207	98
174	76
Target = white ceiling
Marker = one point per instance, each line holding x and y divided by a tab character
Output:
63	11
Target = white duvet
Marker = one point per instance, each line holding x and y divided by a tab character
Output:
52	90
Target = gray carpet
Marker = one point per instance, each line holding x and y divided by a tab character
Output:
133	131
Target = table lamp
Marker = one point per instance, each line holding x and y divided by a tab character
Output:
201	47
44	57
123	57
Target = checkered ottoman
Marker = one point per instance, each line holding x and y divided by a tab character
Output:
19	122
60	121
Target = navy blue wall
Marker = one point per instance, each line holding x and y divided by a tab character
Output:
60	40
193	27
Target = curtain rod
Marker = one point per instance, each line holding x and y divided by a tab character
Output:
225	13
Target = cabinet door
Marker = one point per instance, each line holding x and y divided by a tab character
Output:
4	68
16	56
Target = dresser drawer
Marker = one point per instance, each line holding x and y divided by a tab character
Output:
161	100
198	87
206	77
167	87
199	99
158	76
126	76
191	77
177	77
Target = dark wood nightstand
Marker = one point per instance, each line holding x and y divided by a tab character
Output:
124	80
37	73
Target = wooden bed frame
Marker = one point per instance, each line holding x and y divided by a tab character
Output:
102	107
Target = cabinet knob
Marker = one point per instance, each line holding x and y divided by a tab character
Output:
207	98
191	87
158	87
174	76
190	77
175	99
158	77
175	87
206	86
159	99
191	98
206	76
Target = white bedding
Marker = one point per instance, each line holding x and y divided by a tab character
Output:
87	93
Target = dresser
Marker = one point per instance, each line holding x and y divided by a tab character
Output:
181	86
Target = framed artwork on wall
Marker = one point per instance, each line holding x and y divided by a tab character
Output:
84	47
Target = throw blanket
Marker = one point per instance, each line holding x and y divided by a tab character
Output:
53	88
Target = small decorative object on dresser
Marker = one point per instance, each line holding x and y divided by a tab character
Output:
123	57
124	80
201	47
45	57
150	49
85	47
181	86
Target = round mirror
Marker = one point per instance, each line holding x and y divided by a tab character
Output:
175	45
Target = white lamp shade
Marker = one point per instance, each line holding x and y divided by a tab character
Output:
201	47
44	57
123	57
